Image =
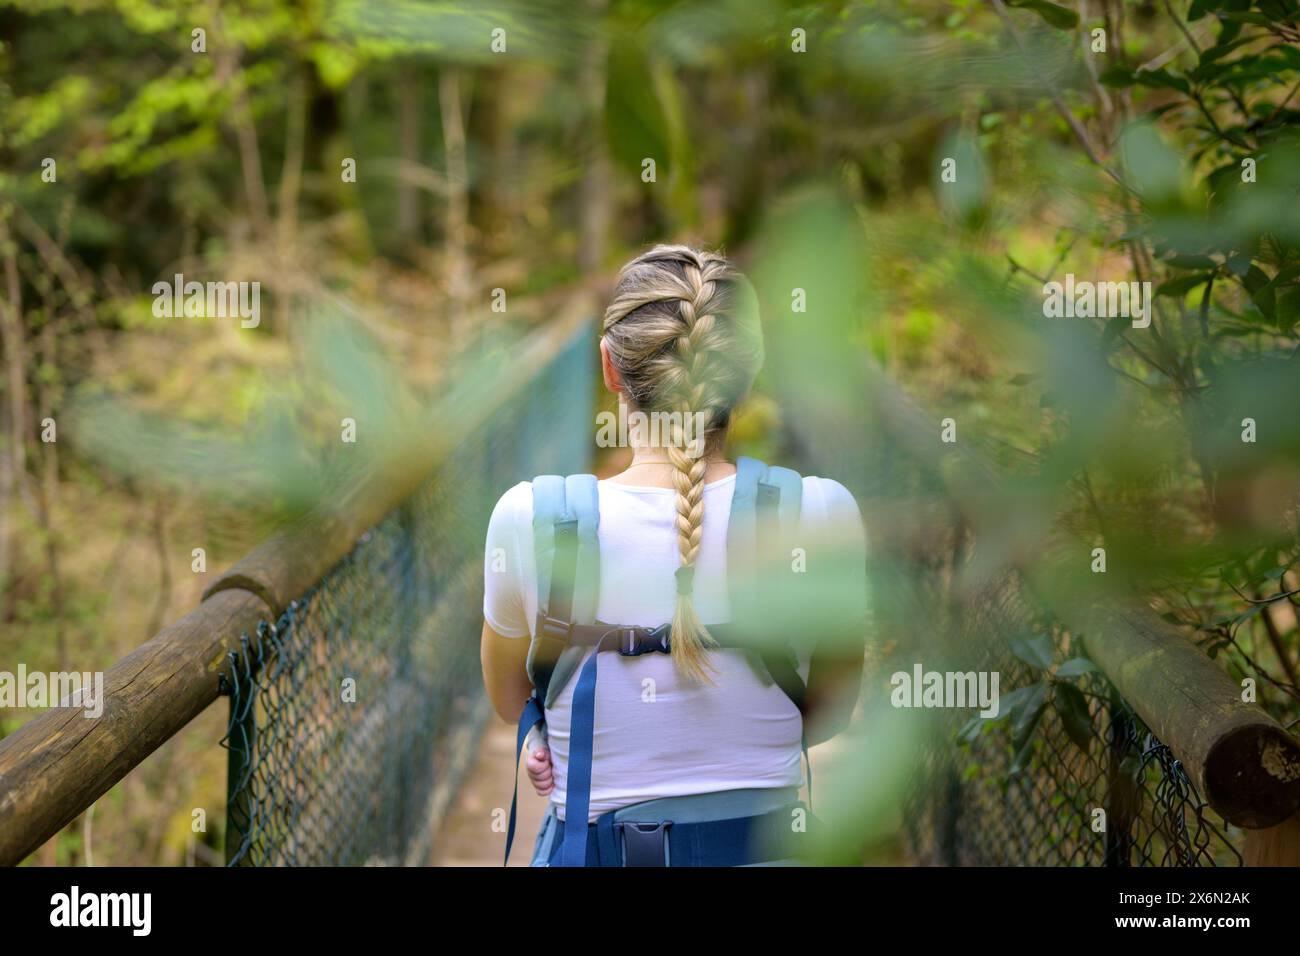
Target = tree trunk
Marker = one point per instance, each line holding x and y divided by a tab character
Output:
596	211
291	170
14	473
456	224
226	59
49	493
490	128
1274	846
409	102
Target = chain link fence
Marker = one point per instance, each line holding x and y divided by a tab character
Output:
354	716
1052	785
1068	775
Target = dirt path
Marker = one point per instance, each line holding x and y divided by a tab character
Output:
467	837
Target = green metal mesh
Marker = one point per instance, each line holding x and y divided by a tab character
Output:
1029	796
316	779
969	801
971	804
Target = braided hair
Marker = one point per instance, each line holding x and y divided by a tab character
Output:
683	333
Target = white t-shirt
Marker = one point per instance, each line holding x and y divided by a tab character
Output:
692	738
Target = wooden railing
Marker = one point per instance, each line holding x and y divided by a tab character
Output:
1242	760
61	762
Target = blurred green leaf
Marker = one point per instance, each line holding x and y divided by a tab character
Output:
1026	712
1076	667
1117	76
636	125
1072	707
1054	14
1183	284
1161	79
1034	649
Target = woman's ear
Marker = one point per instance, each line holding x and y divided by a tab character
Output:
607	370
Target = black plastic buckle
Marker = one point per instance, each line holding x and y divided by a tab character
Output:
635	641
645	844
554	629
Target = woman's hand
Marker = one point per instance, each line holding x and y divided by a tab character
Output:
538	766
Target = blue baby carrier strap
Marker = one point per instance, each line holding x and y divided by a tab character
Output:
566	516
765	512
530	718
566	519
766	503
582	729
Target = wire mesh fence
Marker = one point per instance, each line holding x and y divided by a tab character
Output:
354	715
1062	791
1068	775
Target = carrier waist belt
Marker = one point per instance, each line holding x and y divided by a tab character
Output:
735	842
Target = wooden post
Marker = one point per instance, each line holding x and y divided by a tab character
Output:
1274	846
1240	758
239	801
1121	790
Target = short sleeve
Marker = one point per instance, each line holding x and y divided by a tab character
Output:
504	603
832	516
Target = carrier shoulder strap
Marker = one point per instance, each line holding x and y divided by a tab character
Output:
566	515
765	511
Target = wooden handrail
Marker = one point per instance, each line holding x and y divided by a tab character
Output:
1242	760
291	561
59	763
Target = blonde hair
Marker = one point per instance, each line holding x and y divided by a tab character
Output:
683	333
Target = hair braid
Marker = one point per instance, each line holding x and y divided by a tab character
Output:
683	342
690	637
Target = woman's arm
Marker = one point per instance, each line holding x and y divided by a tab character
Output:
505	676
505	672
834	681
837	630
504	658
